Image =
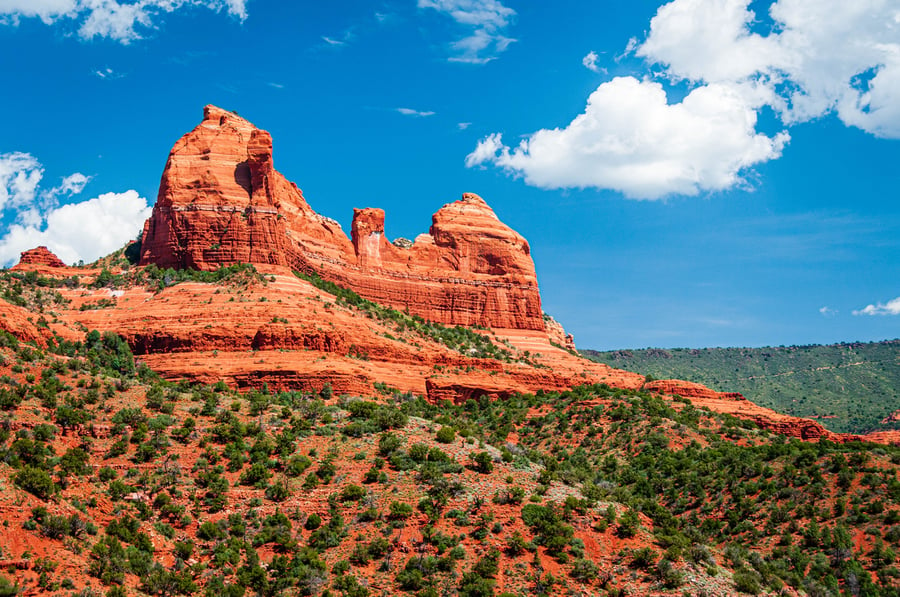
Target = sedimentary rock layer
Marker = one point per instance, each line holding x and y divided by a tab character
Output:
221	201
39	256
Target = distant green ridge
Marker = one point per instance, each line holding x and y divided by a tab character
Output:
854	385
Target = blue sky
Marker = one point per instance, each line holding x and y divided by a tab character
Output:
692	173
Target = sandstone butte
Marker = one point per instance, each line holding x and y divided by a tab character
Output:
39	257
221	201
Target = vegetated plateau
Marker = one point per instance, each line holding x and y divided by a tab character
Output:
848	387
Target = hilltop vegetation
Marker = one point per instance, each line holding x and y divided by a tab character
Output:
118	482
128	484
848	388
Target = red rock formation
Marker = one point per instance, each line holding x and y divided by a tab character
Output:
221	201
735	404
438	391
894	417
39	256
18	322
688	389
558	334
289	335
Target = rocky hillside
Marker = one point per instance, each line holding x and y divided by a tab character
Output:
298	332
117	482
250	402
849	387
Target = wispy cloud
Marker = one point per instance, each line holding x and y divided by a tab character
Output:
892	307
463	125
827	311
108	74
385	17
486	21
119	21
342	40
590	62
414	113
275	85
191	57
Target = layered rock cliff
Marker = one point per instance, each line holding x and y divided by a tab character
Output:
221	201
20	323
40	257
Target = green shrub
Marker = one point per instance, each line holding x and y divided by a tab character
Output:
399	511
482	462
36	481
352	493
584	569
643	558
446	435
388	443
746	581
313	521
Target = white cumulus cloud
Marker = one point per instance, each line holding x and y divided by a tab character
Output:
892	307
46	10
630	139
20	175
805	59
821	56
20	179
486	22
84	230
113	19
80	231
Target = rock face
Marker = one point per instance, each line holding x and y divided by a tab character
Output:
687	389
221	201
737	405
39	256
557	334
284	332
18	322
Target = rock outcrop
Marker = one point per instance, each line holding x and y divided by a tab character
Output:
688	389
221	201
735	404
558	334
19	322
894	417
284	332
39	256
438	391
